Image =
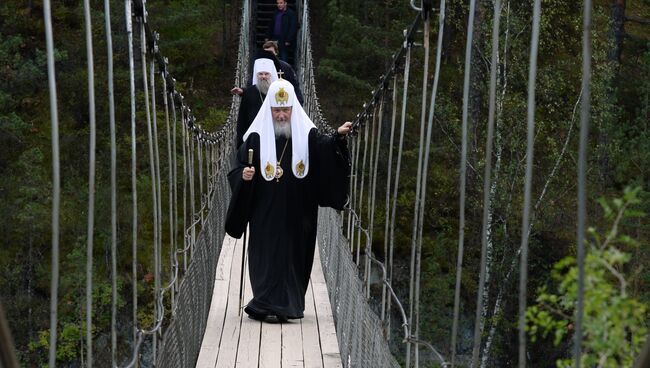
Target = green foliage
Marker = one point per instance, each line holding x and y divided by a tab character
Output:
615	322
67	347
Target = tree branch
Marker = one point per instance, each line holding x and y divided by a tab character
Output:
633	18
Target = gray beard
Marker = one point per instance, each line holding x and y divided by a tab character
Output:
263	85
282	129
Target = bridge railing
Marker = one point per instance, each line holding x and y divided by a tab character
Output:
198	193
359	330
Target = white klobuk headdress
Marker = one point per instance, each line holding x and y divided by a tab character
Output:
264	65
282	94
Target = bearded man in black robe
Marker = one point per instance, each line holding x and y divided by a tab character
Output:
294	169
264	73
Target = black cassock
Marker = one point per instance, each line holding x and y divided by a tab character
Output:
283	219
251	101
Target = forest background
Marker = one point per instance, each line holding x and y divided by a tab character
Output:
353	41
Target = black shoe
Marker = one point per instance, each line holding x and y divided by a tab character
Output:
254	315
273	318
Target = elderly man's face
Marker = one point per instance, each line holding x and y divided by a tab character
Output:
282	4
281	114
263	76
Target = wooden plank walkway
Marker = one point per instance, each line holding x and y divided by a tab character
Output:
232	339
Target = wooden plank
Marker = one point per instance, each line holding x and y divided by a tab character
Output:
249	340
292	344
270	346
212	336
230	335
327	331
310	338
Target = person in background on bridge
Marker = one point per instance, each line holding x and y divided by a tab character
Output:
283	28
264	73
270	51
293	169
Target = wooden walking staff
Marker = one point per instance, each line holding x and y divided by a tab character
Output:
243	254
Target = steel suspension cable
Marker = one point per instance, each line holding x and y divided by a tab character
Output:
208	179
56	182
355	164
199	155
384	302
158	203
172	244
374	187
398	166
351	195
190	152
353	204
185	182
174	179
370	212
585	112
523	279
463	179
91	184
415	257
425	169
478	326
363	176
111	110
152	164
134	187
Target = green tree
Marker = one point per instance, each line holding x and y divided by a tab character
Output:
615	321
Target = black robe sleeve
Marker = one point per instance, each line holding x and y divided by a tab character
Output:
239	209
333	171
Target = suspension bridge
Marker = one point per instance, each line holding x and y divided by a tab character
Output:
197	319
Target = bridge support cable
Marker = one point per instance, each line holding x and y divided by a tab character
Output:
372	130
415	250
174	174
170	179
199	154
463	180
353	191
111	110
424	173
585	112
152	163
525	223
158	245
185	183
192	197
348	233
359	206
384	299
408	45
91	185
56	183
479	321
379	123
134	188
